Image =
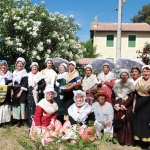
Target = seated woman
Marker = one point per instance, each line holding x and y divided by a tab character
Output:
80	114
122	99
44	122
89	84
104	114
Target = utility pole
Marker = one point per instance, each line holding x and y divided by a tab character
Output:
118	46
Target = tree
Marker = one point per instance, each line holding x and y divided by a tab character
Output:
34	33
144	54
90	50
143	15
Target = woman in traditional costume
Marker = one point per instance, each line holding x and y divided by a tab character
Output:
5	93
44	123
104	114
48	73
73	82
60	82
89	84
141	109
81	116
136	75
107	81
122	99
20	85
36	86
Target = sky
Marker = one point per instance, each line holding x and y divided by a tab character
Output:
84	11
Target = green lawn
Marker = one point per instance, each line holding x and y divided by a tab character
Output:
10	135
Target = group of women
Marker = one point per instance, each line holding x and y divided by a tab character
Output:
61	105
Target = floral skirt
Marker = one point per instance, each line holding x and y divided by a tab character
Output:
76	132
47	133
19	112
5	113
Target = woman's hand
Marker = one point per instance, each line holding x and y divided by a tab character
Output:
12	93
10	84
117	108
52	123
108	123
19	95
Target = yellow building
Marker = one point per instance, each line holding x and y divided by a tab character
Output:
133	38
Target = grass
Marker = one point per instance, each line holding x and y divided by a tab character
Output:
9	135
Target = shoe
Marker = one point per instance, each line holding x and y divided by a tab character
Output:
18	125
42	141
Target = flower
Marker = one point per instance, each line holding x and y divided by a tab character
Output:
42	2
48	41
38	57
48	51
34	34
34	53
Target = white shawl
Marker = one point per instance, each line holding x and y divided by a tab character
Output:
89	82
102	77
123	89
34	79
82	115
17	76
61	76
49	76
48	107
8	75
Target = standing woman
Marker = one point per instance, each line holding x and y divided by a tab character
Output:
48	73
73	82
136	73
20	85
89	84
60	82
142	107
122	99
107	81
5	101
36	86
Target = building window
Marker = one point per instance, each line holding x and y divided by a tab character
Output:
110	41
132	41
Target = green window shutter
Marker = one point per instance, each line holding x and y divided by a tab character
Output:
110	41
131	41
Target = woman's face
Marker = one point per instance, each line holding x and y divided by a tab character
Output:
3	67
101	99
50	96
88	72
79	99
124	77
19	65
146	73
34	69
49	64
71	67
135	73
62	69
106	69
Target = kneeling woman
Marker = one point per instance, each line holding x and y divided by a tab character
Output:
80	114
44	122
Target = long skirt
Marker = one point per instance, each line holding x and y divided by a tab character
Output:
141	119
87	134
19	111
30	106
47	133
124	135
5	113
